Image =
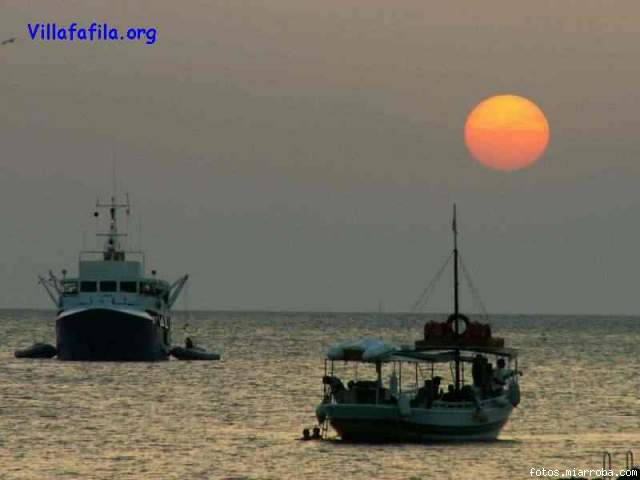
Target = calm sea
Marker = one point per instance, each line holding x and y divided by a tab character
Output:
242	417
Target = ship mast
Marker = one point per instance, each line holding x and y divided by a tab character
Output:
113	250
456	301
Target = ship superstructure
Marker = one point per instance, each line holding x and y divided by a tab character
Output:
112	310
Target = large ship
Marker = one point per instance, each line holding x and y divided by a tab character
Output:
113	311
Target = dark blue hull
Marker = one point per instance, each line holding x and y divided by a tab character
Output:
386	431
109	335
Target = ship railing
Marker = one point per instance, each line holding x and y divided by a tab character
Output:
99	255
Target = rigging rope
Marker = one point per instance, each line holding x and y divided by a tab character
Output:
187	315
475	293
426	293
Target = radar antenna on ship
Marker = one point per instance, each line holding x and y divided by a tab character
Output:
113	250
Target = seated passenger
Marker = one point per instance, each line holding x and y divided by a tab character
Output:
336	386
421	395
434	394
430	391
188	343
471	393
450	395
501	375
486	386
477	369
393	384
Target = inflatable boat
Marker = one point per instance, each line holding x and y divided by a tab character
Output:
37	350
193	353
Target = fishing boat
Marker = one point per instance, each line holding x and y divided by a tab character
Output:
411	406
112	310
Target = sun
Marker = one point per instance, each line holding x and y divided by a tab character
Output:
506	132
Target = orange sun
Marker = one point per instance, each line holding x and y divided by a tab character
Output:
506	132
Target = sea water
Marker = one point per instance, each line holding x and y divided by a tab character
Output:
242	417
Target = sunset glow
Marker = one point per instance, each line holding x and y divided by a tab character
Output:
506	132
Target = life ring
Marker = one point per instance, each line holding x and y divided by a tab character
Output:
452	319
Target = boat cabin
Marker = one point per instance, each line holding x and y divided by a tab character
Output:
424	378
113	282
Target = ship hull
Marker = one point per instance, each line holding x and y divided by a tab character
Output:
102	334
377	423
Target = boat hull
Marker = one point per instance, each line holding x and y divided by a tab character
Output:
102	334
385	423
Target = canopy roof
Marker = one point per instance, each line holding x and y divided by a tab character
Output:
444	355
498	351
435	355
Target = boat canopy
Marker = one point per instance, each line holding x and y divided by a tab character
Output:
363	350
443	355
374	351
497	351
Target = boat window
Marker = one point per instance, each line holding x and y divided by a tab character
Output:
129	287
147	288
69	287
88	286
109	286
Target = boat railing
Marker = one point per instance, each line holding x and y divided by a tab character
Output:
606	461
628	456
630	469
87	255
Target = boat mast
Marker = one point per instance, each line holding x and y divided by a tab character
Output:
113	249
456	303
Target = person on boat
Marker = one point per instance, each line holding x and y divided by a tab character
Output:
393	384
502	374
477	369
421	395
450	394
432	389
188	343
482	373
336	387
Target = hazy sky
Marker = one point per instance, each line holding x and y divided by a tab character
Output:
291	154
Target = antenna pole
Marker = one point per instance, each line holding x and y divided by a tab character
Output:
113	248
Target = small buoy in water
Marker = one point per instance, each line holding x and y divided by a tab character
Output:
37	350
305	434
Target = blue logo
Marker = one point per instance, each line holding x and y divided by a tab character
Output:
52	32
